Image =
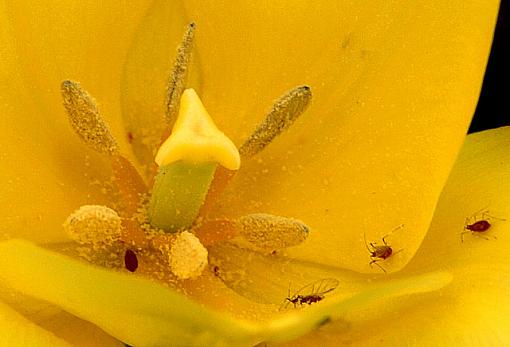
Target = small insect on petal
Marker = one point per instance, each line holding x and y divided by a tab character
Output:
85	118
130	260
283	114
380	252
310	293
478	223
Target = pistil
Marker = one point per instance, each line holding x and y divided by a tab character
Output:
187	161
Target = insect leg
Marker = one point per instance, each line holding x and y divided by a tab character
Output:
485	237
376	262
391	232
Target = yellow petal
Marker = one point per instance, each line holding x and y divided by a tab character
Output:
137	311
367	155
16	330
46	172
394	85
474	309
140	312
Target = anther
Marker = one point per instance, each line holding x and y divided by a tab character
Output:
283	113
270	232
178	77
187	256
85	118
94	224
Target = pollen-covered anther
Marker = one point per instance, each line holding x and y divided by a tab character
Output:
282	115
269	232
178	77
85	118
187	256
94	224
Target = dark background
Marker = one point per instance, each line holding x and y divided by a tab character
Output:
493	109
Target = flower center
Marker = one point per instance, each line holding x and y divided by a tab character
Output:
169	227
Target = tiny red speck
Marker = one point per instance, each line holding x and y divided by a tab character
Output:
130	260
130	136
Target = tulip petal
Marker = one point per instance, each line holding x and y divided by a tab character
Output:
140	312
394	87
46	171
16	330
474	309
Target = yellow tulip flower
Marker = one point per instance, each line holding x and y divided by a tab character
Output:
373	161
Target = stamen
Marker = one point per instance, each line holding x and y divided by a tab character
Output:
85	118
270	232
89	125
178	77
264	231
94	224
187	256
283	113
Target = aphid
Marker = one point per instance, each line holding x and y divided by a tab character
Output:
311	293
130	260
130	137
380	252
478	223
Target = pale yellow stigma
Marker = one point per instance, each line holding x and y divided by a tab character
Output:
195	137
85	118
187	256
94	224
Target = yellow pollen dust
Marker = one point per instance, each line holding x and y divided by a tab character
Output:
95	225
85	118
269	232
187	256
195	137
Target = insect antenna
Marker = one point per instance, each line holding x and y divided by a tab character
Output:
287	300
366	243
